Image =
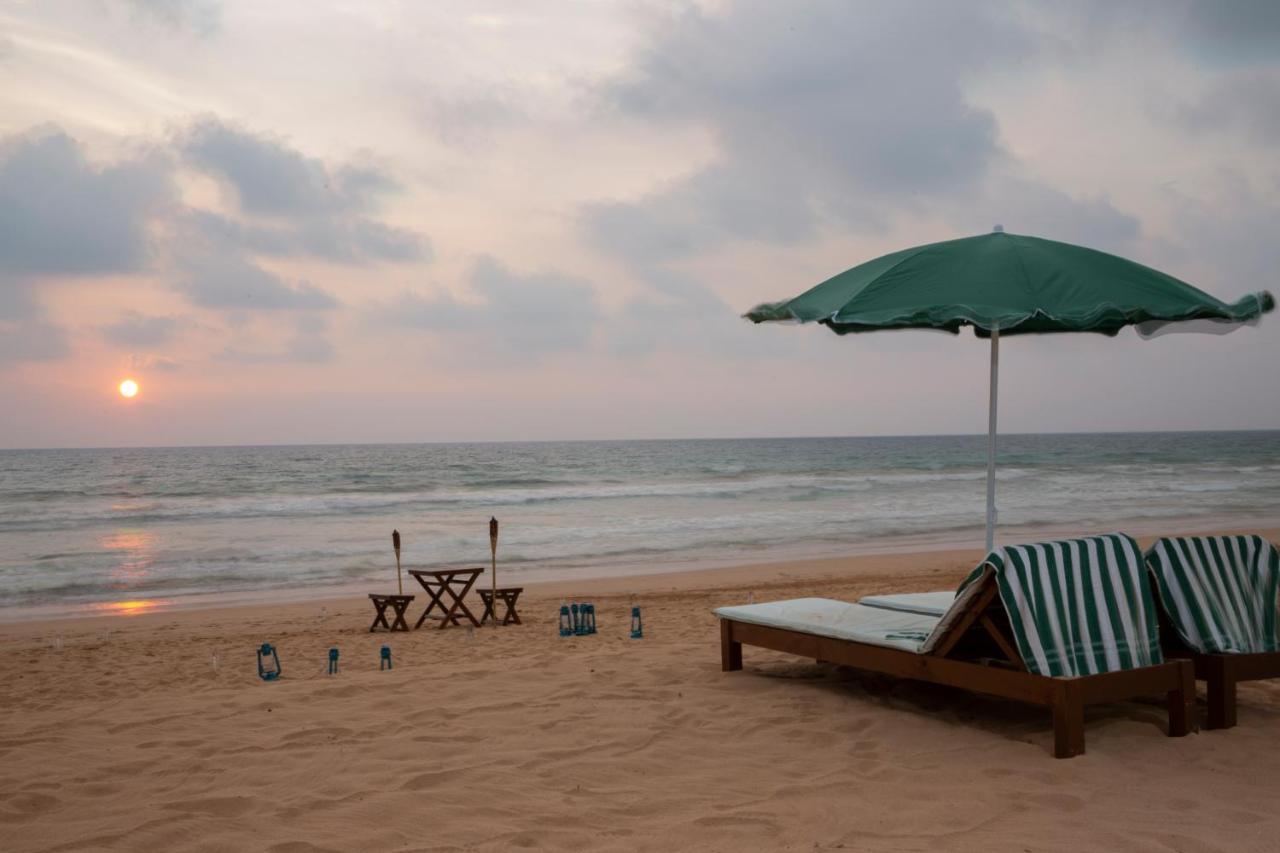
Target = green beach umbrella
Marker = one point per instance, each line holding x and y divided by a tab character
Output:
1009	284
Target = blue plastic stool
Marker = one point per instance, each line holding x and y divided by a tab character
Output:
333	660
268	653
566	621
637	626
385	662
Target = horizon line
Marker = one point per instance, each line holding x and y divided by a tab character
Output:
621	440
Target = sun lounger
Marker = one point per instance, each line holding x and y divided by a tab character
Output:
1061	625
1218	597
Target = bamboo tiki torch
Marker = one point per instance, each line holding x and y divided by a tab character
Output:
493	554
395	543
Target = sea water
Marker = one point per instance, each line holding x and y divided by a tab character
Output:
127	528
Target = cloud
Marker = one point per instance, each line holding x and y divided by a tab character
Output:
202	17
308	346
31	340
149	361
230	283
342	240
1228	240
26	334
531	315
60	214
1026	207
1247	102
832	111
721	203
292	204
838	117
140	330
468	119
272	179
1232	30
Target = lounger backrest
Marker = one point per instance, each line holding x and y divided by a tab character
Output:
1076	607
1219	591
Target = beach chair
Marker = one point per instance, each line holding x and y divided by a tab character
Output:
1218	602
1060	625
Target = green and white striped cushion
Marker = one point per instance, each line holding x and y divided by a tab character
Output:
1219	591
1077	607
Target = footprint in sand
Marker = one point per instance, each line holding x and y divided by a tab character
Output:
298	847
27	804
425	781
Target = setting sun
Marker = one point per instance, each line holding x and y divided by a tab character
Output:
128	388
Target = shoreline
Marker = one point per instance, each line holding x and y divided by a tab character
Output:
901	554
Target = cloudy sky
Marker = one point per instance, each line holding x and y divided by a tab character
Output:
401	221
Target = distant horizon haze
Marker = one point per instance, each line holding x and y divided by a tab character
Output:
689	438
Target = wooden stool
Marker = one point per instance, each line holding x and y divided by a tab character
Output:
508	596
398	603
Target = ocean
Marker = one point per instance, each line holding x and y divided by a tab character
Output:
122	530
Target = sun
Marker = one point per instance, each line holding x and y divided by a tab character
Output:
128	388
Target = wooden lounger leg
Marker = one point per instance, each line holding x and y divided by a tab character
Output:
730	651
1068	720
1182	702
1222	693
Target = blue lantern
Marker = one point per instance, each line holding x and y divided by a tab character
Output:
268	663
385	662
637	627
566	621
588	619
333	660
577	619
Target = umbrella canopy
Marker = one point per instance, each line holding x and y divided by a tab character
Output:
1009	284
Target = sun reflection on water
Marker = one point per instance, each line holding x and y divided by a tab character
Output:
136	552
128	608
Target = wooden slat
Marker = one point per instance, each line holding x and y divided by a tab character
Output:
1115	686
1010	684
1002	641
977	606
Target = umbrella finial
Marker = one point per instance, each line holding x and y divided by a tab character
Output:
997	228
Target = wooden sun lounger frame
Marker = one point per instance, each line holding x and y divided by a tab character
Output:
1009	679
1220	672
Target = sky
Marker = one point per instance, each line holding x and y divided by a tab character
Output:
315	222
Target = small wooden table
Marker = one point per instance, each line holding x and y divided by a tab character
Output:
447	588
508	596
398	603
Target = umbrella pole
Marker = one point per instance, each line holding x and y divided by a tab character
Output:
991	440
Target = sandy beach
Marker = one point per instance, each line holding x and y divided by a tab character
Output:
120	733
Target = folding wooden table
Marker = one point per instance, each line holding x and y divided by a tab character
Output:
446	588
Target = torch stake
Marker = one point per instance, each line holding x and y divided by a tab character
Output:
493	555
395	543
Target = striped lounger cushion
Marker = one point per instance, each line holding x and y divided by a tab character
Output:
1219	591
1077	607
